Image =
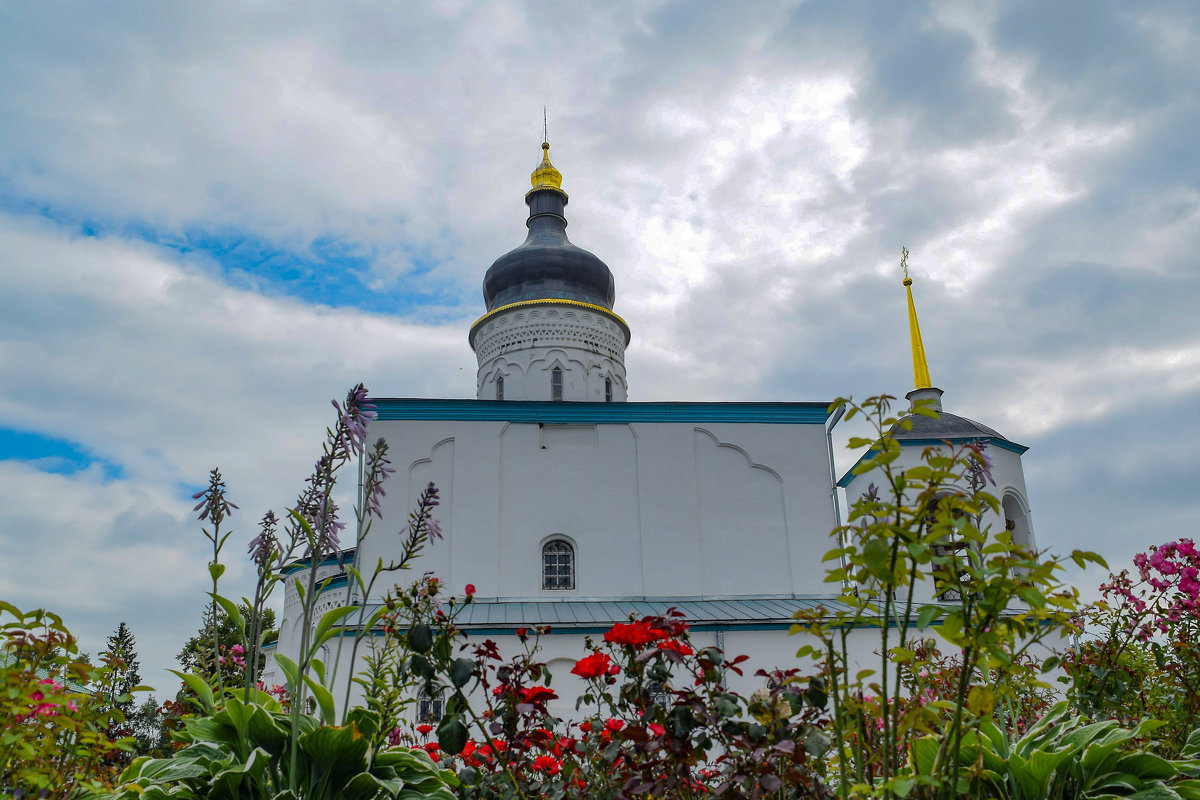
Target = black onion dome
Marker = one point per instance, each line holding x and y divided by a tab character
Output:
547	266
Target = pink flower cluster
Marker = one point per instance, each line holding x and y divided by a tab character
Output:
1172	574
43	707
236	657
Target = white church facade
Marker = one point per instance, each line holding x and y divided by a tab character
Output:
566	505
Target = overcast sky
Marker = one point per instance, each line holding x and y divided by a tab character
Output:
214	218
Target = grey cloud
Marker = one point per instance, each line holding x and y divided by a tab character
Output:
1106	57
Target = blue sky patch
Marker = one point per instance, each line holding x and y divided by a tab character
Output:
329	270
51	454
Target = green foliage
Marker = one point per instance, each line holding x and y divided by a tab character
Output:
56	711
1063	757
927	525
241	751
1141	657
122	652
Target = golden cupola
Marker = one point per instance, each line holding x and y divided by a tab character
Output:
546	176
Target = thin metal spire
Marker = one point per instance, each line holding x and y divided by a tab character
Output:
545	128
921	378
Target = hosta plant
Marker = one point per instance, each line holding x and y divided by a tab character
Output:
241	751
1064	756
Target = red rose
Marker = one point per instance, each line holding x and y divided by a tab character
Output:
634	634
538	695
656	729
678	647
592	666
548	764
470	589
424	729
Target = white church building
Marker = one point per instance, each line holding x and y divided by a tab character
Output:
567	505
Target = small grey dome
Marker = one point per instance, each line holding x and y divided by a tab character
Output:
946	426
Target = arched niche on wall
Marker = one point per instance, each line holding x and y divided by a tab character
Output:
1016	520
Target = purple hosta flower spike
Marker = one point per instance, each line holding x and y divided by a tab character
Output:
354	418
213	503
429	501
264	546
981	462
327	526
379	469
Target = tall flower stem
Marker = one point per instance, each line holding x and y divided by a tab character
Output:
215	507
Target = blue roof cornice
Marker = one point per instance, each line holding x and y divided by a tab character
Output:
404	408
1003	444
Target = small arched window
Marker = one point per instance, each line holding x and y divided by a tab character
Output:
558	565
499	387
429	705
556	384
608	390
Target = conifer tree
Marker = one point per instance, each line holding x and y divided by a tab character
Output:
121	649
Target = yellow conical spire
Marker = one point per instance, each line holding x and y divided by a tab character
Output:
920	367
546	176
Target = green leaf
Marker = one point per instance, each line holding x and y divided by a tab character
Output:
290	670
1192	748
928	614
358	580
216	571
952	627
420	638
981	700
235	614
921	473
324	700
924	751
1155	792
452	735
201	689
876	555
330	618
365	720
363	786
421	667
265	731
335	750
305	526
1146	766
903	784
228	782
461	671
